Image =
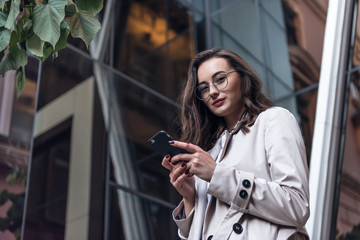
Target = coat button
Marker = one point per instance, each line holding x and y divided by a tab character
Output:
243	194
246	183
237	228
210	237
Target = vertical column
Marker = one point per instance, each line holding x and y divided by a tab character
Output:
7	92
78	202
326	139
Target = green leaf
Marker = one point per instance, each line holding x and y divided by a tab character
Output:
3	17
16	58
61	44
20	81
27	25
90	6
2	3
14	12
47	19
35	45
70	10
46	52
19	30
14	38
83	25
5	35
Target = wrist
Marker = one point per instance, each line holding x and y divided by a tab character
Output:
188	205
211	173
189	201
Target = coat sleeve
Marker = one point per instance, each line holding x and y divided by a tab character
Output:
183	222
285	198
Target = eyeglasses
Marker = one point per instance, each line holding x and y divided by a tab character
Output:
220	82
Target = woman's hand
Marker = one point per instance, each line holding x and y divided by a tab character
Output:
183	184
198	161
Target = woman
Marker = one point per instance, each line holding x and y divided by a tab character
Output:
246	175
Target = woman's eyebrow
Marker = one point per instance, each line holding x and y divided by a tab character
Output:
212	77
202	83
217	73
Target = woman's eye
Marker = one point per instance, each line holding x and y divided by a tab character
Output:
220	79
203	88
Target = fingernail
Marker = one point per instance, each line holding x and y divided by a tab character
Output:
171	142
183	165
167	156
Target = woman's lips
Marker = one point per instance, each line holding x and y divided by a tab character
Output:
219	102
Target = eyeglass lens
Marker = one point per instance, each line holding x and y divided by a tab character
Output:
203	90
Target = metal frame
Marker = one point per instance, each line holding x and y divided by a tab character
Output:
350	49
107	197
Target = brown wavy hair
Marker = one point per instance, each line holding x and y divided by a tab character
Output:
199	125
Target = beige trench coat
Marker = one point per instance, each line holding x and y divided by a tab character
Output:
259	189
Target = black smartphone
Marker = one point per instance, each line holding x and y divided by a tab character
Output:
160	142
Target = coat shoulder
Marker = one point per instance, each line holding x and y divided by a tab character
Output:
276	113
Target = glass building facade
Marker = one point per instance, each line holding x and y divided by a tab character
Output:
135	71
92	174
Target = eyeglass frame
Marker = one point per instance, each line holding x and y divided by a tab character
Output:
227	82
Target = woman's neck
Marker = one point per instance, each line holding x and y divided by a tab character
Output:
230	126
231	121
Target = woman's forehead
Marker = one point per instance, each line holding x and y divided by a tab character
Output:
211	67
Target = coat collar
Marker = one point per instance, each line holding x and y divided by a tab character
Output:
235	129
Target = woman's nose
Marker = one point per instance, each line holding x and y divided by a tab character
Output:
213	91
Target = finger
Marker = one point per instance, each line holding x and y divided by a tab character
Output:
166	162
177	161
187	146
186	166
176	172
179	181
181	157
189	171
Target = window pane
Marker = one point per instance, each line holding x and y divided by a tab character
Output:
62	73
133	217
142	46
137	115
47	193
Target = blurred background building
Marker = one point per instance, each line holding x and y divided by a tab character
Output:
81	126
